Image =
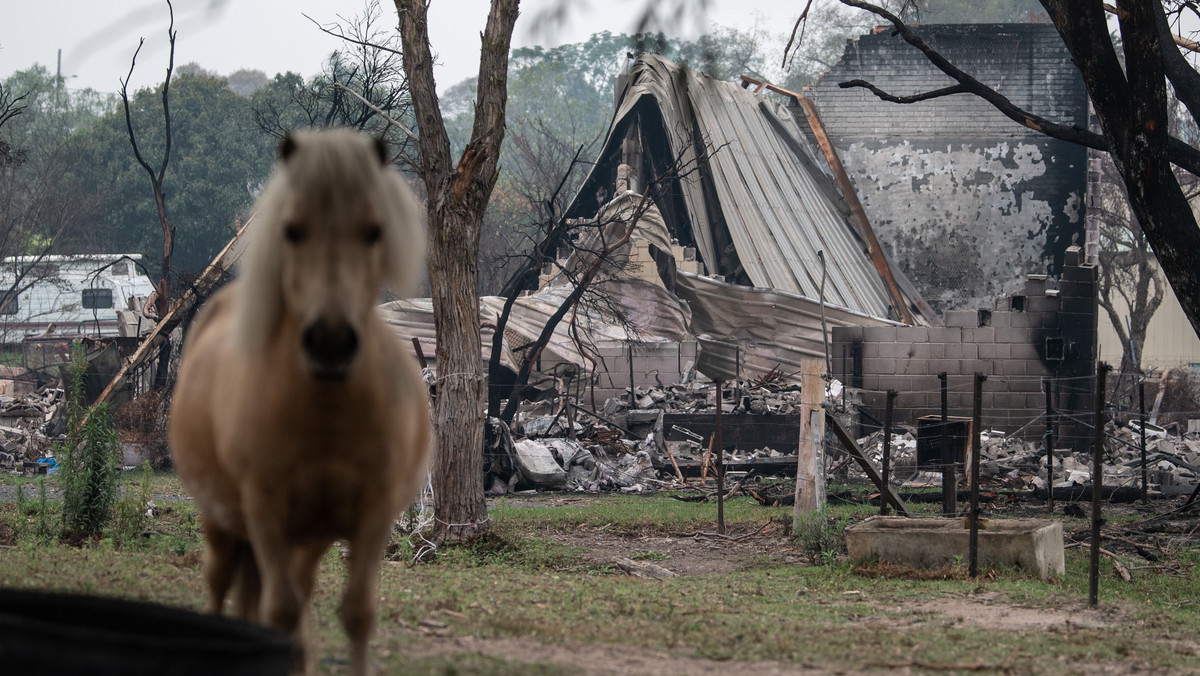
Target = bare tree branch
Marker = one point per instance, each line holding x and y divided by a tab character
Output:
916	98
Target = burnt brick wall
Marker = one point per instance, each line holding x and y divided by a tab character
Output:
654	364
1037	333
967	201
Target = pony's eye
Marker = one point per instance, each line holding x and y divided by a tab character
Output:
372	234
294	233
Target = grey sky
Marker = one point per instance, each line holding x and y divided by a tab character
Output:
98	38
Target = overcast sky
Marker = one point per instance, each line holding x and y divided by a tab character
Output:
98	38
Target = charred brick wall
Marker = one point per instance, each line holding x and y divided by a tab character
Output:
967	201
1039	333
652	365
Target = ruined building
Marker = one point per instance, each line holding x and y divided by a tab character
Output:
967	201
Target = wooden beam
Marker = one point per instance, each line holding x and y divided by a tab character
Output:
203	284
885	491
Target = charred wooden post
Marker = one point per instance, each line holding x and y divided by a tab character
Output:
1048	385
861	458
949	494
1097	484
976	449
887	449
720	465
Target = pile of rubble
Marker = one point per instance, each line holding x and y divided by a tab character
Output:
1172	459
624	447
28	425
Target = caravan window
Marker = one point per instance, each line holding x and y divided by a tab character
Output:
97	299
10	305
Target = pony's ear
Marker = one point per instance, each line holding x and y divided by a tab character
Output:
287	146
381	149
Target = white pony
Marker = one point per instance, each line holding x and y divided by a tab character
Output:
298	418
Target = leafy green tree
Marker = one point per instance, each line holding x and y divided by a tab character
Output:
39	208
219	160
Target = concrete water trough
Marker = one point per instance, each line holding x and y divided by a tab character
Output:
1034	545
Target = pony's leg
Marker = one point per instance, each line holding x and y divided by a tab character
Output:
359	599
280	600
248	585
306	561
220	564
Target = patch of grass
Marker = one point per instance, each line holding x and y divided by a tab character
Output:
628	515
517	583
501	549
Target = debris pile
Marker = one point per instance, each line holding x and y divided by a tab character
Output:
28	425
1172	460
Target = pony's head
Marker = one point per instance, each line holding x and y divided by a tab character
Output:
335	225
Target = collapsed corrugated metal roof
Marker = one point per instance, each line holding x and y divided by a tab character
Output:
751	196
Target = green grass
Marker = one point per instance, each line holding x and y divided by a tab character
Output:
518	584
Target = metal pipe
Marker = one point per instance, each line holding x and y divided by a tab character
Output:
1049	386
720	466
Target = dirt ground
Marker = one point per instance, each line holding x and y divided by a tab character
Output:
710	554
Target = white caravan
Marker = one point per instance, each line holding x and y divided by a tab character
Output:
73	295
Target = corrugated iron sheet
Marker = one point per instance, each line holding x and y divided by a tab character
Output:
777	211
749	331
654	315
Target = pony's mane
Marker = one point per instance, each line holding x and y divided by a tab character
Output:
344	168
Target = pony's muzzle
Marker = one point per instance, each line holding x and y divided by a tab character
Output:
329	348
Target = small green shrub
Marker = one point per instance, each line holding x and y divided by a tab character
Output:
90	458
130	517
820	538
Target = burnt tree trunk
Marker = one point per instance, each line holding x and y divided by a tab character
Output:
457	195
1131	106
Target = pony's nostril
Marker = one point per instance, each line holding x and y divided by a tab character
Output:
330	344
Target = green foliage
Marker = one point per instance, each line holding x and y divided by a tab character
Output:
89	458
40	202
38	522
821	535
218	156
130	517
975	11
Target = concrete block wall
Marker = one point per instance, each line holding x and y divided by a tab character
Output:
967	201
653	363
1040	333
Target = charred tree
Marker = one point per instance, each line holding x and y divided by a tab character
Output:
457	195
162	301
162	304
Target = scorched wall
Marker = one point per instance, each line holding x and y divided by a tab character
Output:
966	201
